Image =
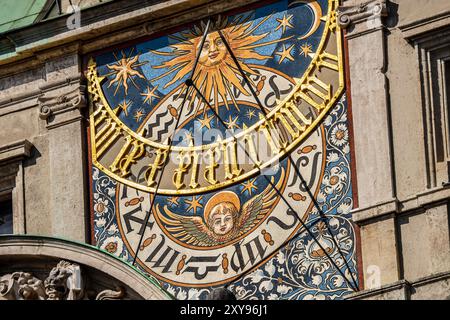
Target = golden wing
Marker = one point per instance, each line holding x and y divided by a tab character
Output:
190	230
255	209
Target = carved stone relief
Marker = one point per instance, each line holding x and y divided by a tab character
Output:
362	12
64	282
66	101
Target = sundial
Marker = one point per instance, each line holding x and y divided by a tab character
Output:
199	133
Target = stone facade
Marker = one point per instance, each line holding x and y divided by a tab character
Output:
402	182
400	136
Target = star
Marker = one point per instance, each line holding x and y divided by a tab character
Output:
138	115
124	106
205	121
250	114
305	49
285	54
249	186
284	23
194	204
150	94
124	70
173	201
231	123
188	137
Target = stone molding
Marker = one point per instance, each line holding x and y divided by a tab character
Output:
406	289
398	290
417	29
363	215
420	201
371	12
32	248
362	12
432	44
12	178
66	101
15	151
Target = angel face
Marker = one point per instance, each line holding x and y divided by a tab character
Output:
214	50
222	218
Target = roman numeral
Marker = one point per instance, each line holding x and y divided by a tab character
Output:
131	216
328	60
315	87
106	136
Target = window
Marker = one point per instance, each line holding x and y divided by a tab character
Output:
434	60
6	215
439	78
12	191
446	97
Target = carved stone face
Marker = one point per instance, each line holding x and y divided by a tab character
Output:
214	50
56	283
222	218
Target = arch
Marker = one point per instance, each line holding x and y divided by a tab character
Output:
24	251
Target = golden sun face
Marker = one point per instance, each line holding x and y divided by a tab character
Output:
216	73
214	50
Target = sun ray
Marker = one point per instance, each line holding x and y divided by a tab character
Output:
167	72
162	53
233	98
216	75
265	43
257	26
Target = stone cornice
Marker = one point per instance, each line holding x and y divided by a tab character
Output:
15	151
402	289
420	201
419	30
113	22
398	290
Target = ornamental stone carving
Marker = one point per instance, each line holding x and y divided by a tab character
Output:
70	100
369	10
64	282
111	294
21	286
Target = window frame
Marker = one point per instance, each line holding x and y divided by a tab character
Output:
12	158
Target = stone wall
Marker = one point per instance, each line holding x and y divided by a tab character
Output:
402	191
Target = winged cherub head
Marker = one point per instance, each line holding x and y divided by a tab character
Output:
224	219
222	213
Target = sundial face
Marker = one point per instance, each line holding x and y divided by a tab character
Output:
214	190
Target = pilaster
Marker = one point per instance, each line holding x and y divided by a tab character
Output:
61	110
365	33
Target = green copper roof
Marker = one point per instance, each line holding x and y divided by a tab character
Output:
18	13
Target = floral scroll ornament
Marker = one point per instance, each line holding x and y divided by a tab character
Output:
106	231
301	269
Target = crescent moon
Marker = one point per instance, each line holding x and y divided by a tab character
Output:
315	7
